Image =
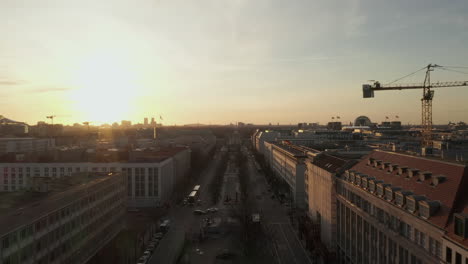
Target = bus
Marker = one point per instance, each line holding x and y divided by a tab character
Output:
192	198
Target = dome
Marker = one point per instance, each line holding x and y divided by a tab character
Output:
362	121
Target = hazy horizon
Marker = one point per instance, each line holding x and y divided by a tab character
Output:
221	62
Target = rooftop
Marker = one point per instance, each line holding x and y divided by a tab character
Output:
330	163
74	155
293	150
21	207
450	193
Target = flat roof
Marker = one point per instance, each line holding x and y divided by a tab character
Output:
23	207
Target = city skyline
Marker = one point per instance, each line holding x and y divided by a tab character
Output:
212	62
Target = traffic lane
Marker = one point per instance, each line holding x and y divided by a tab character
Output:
288	245
182	221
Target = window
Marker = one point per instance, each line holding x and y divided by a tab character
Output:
6	242
389	194
380	190
411	204
458	258
448	255
439	249
424	210
460	222
150	182
432	246
422	239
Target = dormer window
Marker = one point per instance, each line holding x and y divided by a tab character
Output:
461	225
393	167
381	188
424	175
436	180
385	165
402	170
412	202
357	179
346	175
412	173
370	161
364	181
371	186
390	193
400	197
352	176
377	164
428	208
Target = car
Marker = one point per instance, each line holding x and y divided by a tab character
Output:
158	235
199	212
142	260
151	248
164	227
212	210
154	242
225	254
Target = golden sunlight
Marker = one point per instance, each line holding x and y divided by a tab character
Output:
105	89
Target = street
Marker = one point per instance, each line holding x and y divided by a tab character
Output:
183	221
278	242
275	220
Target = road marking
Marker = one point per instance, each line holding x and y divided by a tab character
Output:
276	251
287	242
303	249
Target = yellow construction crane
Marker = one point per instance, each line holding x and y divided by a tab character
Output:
426	100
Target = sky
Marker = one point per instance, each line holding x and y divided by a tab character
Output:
222	61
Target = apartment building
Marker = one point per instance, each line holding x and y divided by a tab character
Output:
288	163
260	137
151	175
321	172
64	220
25	145
396	208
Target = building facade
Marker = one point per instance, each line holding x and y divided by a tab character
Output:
63	224
288	163
25	145
320	175
150	183
395	208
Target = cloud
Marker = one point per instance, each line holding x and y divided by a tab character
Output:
47	90
6	82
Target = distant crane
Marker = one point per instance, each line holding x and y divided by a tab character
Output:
87	124
426	100
51	117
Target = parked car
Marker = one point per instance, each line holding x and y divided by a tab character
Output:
199	212
225	254
154	242
212	210
151	248
158	235
142	260
164	227
147	253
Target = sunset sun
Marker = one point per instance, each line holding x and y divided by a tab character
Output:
104	89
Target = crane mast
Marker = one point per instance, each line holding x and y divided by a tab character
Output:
426	103
426	100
